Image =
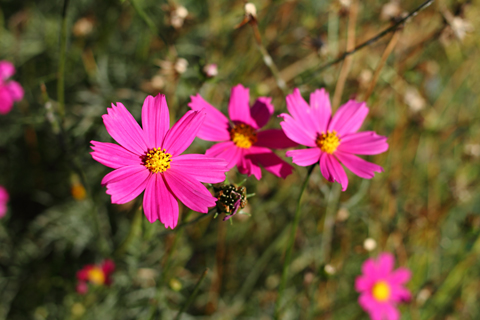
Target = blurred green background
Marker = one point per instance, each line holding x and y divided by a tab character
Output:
425	207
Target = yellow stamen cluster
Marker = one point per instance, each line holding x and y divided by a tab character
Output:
328	142
381	291
96	276
157	160
243	135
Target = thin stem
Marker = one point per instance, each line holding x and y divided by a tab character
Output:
61	64
291	241
193	295
394	27
184	224
134	229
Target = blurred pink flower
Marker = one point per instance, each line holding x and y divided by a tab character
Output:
95	274
381	288
243	144
10	90
210	70
331	139
3	201
151	160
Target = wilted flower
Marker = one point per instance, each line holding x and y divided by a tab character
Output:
151	160
4	197
243	144
230	199
331	139
10	91
381	288
96	274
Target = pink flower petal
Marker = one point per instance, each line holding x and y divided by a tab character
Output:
400	294
239	108
6	70
261	111
270	161
216	126
364	283
296	132
189	191
227	151
385	263
108	266
155	120
201	167
369	268
6	101
305	157
246	166
126	183
360	167
391	312
348	118
400	276
81	288
124	129
274	139
16	90
113	155
367	302
321	109
367	142
337	171
159	203
182	134
324	167
3	210
301	112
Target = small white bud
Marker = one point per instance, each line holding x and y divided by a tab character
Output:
369	244
250	9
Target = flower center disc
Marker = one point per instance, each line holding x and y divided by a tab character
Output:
381	291
328	142
157	160
243	135
96	276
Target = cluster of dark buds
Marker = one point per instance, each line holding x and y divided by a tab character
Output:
231	198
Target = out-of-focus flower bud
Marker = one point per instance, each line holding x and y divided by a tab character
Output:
210	70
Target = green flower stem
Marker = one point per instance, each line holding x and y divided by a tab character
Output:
291	241
61	64
193	295
134	230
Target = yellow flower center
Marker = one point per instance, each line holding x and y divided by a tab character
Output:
157	160
381	291
243	135
96	276
328	142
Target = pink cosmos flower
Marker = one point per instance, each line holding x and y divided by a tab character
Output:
151	160
381	288
10	91
331	139
242	142
3	201
96	274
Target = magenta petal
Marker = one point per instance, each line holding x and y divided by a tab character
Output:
261	111
155	120
124	129
201	167
6	101
363	283
367	302
301	112
358	166
369	268
274	139
227	151
337	171
159	203
295	131
239	108
305	157
6	70
189	191
400	294
324	169
216	126
391	312
348	118
321	109
126	183
246	166
113	155
367	142
270	161
386	262
16	90
182	134
400	276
